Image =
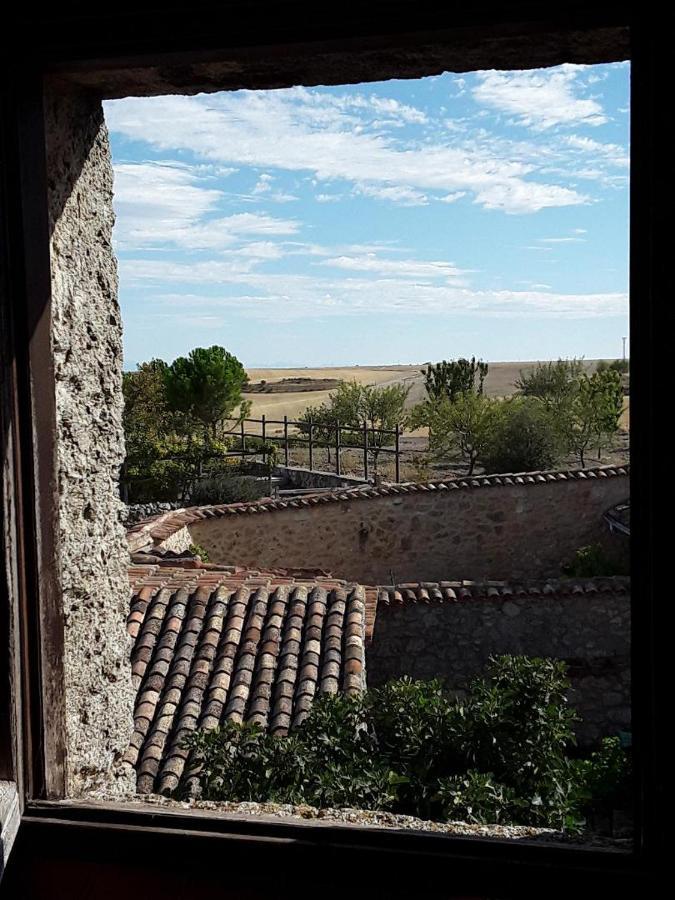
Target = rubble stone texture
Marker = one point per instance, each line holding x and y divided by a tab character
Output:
87	346
587	625
424	532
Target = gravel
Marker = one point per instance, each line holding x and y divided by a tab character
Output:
377	819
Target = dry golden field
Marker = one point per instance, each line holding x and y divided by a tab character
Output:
499	383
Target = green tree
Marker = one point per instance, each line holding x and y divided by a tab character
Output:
591	418
462	427
449	378
206	386
554	383
358	408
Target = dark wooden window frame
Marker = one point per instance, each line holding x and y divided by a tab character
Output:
98	51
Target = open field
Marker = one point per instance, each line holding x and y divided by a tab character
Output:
499	383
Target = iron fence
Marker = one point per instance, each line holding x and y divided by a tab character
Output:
368	440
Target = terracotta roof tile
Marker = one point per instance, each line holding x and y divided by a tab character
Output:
447	591
221	643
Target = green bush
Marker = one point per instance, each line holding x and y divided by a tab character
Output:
592	562
477	797
518	726
523	438
604	778
227	489
418	732
501	756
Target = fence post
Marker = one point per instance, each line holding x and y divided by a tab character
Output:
286	441
337	448
311	446
263	427
365	450
398	452
243	436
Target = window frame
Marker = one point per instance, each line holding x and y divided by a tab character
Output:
32	750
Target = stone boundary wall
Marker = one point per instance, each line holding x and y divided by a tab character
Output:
312	478
494	527
590	629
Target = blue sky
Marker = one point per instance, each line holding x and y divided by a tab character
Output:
392	222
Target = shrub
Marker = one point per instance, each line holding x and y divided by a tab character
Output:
604	777
552	382
227	489
408	747
477	797
200	552
593	561
524	437
519	727
417	728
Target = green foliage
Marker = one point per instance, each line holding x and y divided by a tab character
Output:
593	561
461	427
500	756
554	383
518	727
369	409
206	386
622	366
523	437
417	728
173	422
200	552
227	489
450	378
477	797
604	778
591	416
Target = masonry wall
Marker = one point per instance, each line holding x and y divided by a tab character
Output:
87	347
454	641
493	532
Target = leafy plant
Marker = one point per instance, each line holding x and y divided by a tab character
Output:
592	415
477	797
450	378
462	427
524	437
501	756
593	561
200	552
554	383
227	489
367	413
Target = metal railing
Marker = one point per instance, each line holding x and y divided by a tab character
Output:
370	441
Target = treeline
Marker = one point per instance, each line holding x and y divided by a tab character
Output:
175	421
558	410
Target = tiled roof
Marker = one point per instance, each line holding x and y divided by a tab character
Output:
218	643
458	591
161	527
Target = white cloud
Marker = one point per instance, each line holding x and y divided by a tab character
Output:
562	240
541	98
163	204
332	138
156	201
404	268
254	293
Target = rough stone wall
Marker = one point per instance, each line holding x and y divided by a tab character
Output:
87	346
501	532
454	641
308	478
